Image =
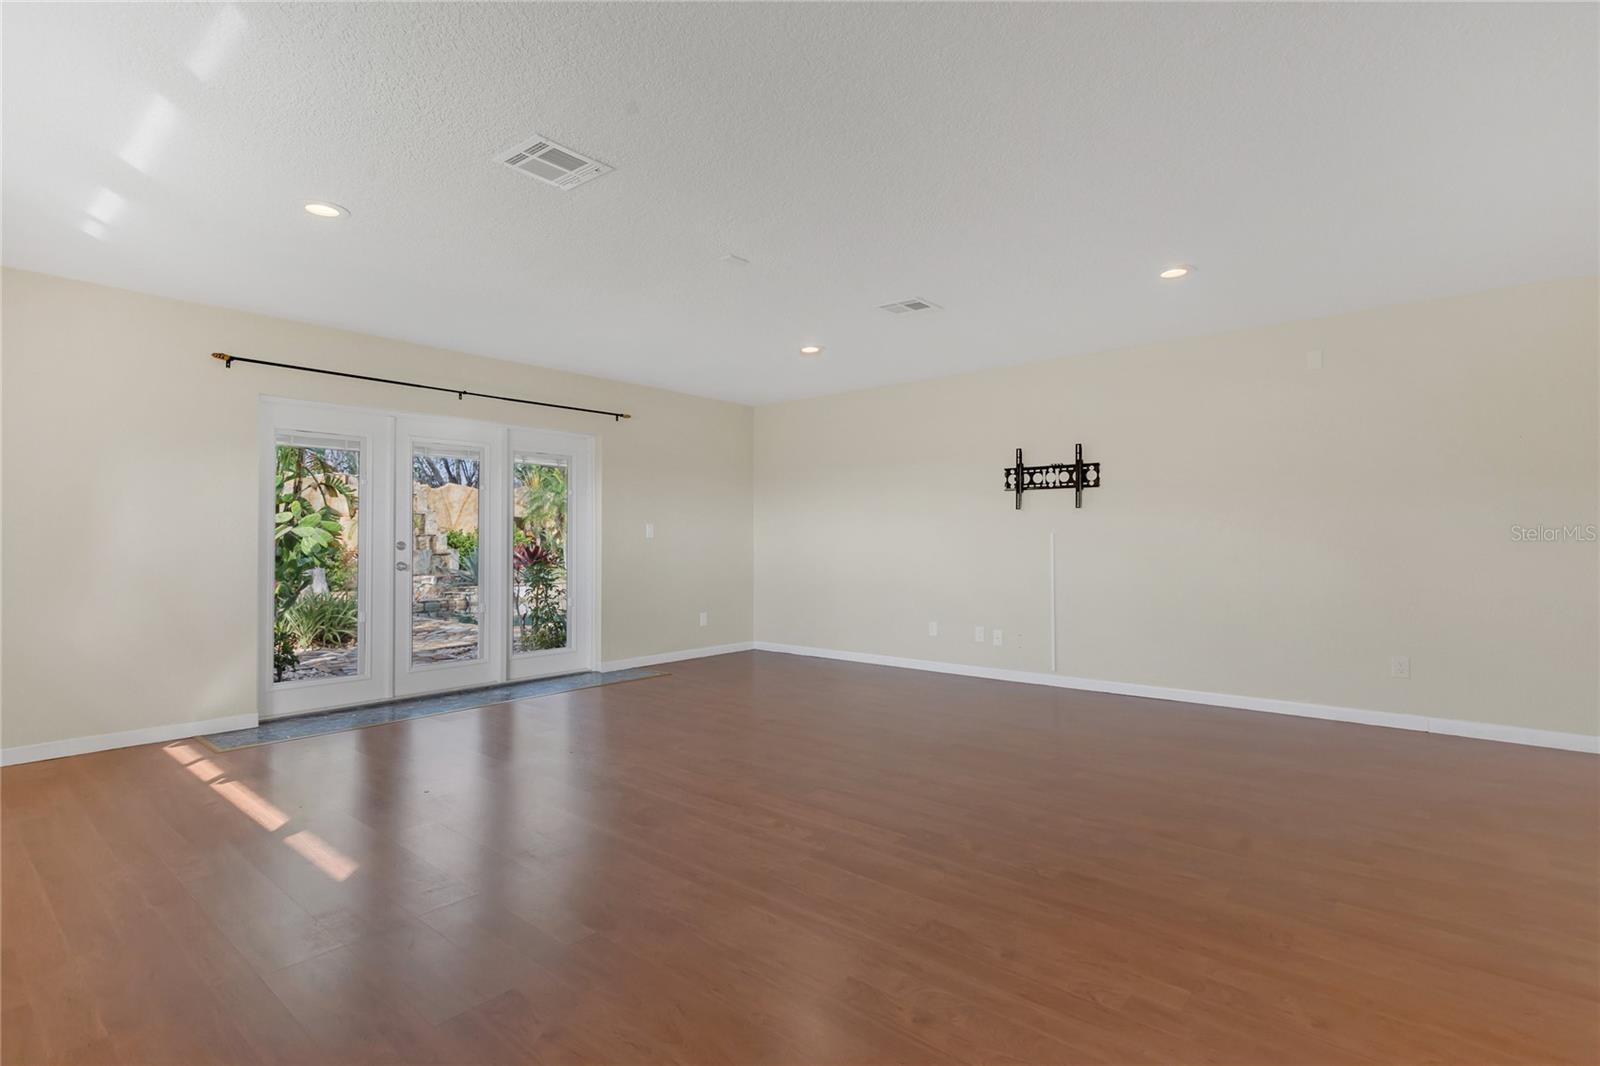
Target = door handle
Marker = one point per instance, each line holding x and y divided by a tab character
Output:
400	566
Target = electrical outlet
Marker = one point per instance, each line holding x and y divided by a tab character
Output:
705	618
977	634
1399	666
1314	359
649	531
996	634
933	629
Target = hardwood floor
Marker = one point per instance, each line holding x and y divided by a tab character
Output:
770	859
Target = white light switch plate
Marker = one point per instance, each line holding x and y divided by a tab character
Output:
977	634
649	531
996	634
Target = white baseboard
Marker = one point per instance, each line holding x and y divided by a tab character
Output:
675	656
1541	738
57	749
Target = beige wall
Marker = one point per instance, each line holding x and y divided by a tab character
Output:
1264	529
130	525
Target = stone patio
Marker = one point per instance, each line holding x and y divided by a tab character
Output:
434	640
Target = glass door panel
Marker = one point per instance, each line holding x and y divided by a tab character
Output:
325	641
449	555
552	580
316	559
539	611
445	600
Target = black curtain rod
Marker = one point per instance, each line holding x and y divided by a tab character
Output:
229	360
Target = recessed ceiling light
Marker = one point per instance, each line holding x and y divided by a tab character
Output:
323	209
1173	272
811	349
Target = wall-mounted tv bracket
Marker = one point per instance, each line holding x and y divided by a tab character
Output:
1076	475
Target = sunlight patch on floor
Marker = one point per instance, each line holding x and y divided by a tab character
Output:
332	862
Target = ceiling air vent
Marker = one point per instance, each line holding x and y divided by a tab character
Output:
552	164
906	307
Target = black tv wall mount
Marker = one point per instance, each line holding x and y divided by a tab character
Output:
1076	475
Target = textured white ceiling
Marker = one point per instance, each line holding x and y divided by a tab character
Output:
1028	167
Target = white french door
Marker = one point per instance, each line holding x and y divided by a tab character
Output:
409	554
451	547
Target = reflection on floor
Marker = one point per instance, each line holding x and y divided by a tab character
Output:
770	860
312	725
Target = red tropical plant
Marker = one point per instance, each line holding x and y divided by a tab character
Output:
532	553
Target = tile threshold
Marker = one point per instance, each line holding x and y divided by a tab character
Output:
320	723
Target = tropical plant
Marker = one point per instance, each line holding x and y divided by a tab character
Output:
307	536
539	531
541	506
463	542
284	658
467	567
551	634
541	608
321	619
531	554
341	572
